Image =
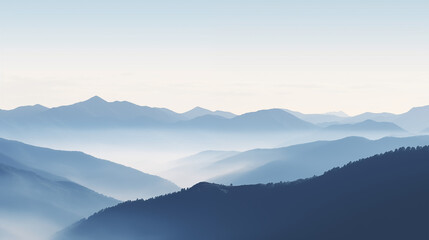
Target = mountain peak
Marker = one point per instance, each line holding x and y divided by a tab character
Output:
421	108
209	187
338	114
196	112
95	99
198	109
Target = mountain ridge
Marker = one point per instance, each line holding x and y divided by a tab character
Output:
389	202
100	175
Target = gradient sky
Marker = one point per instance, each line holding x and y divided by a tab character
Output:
236	55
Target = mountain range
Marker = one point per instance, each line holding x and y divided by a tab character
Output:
263	120
415	120
199	112
53	188
97	113
382	197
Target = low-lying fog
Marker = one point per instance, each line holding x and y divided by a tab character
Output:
159	152
23	226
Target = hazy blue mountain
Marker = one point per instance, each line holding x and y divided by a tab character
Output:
24	111
272	119
211	122
26	192
382	197
100	175
305	160
338	114
96	113
263	120
5	234
378	117
8	161
29	198
21	117
414	120
366	126
317	118
199	112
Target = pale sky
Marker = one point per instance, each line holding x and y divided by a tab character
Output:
311	56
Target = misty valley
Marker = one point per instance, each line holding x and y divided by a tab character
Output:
117	170
214	120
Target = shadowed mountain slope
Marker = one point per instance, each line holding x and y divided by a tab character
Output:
382	197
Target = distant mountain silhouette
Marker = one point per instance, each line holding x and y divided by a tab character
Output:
366	126
378	117
414	120
95	113
382	197
275	119
23	111
199	112
8	161
208	121
263	120
105	177
317	118
304	160
417	119
338	113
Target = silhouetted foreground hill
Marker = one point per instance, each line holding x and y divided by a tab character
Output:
382	197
